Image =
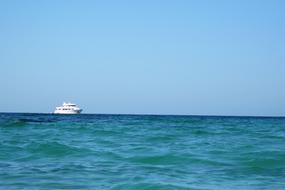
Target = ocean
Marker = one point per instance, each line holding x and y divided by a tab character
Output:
45	151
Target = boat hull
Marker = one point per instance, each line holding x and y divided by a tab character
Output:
67	112
67	108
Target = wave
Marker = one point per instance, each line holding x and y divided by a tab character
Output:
20	122
172	159
13	123
150	186
55	149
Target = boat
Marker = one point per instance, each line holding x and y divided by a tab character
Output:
67	108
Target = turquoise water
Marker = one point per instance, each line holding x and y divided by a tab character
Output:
42	151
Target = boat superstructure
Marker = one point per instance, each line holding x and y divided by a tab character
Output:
67	108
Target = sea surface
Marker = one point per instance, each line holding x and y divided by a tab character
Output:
45	151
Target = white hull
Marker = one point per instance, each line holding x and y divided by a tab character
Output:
66	112
67	108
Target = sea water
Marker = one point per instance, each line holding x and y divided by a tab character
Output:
45	151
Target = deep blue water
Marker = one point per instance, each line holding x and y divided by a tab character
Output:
44	151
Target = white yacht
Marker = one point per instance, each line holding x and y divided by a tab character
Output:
67	108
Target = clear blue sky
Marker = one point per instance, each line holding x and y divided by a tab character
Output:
163	57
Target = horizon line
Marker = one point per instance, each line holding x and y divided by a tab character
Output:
150	114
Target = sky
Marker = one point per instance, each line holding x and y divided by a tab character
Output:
189	57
